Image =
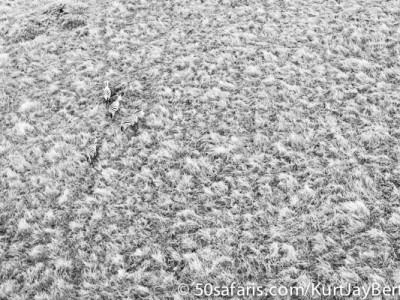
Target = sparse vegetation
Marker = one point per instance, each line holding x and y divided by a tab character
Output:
268	152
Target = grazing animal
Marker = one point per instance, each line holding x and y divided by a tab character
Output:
130	121
107	92
92	151
114	107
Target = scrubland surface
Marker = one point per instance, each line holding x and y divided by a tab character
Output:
269	150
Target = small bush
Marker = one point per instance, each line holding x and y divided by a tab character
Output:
71	22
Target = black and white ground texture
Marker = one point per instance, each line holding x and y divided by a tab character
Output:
266	149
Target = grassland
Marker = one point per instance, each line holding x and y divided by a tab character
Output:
269	151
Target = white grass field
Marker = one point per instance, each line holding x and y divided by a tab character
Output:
268	152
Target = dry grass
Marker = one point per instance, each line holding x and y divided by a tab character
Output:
268	154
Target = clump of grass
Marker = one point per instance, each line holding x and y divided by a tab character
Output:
28	30
72	22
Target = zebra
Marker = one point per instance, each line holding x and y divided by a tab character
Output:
130	121
107	92
92	151
114	107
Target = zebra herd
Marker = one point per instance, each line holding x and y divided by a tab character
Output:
113	108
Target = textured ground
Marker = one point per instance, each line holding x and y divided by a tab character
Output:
269	152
